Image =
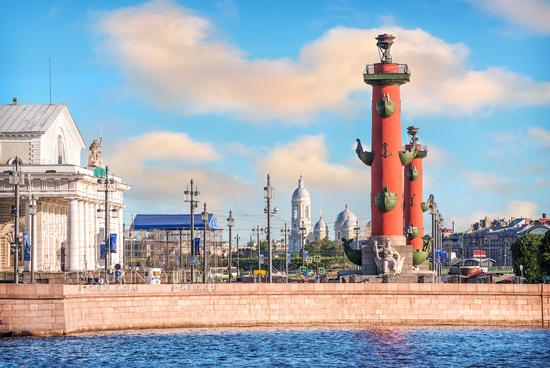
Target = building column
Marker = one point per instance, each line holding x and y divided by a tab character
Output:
73	236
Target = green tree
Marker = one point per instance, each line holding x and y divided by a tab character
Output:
526	252
544	256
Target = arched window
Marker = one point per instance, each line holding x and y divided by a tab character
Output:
295	212
60	150
307	212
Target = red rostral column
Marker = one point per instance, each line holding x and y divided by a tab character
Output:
386	158
413	174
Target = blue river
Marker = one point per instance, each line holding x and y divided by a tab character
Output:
306	347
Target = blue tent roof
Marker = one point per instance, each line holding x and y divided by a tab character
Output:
172	222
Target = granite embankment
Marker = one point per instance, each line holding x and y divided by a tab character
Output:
65	309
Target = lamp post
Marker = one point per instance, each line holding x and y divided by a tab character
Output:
268	195
204	249
521	273
16	179
32	213
106	208
433	213
302	229
230	224
190	195
256	231
237	238
286	232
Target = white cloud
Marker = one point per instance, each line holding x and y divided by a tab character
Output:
531	14
540	135
159	165
174	59
308	156
483	181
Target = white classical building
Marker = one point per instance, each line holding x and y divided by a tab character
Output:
345	224
69	224
300	232
320	230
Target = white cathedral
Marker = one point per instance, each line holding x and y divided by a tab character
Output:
67	197
345	226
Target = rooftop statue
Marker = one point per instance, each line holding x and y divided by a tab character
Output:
94	155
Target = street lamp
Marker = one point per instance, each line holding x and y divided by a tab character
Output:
303	229
230	224
190	195
204	225
257	231
108	182
285	232
268	195
521	273
237	238
16	179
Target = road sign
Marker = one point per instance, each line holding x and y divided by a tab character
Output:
303	270
322	271
192	261
309	260
316	259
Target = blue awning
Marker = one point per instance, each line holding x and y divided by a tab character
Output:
172	222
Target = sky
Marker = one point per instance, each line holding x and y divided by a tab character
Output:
227	91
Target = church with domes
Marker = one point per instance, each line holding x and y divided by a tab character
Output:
300	232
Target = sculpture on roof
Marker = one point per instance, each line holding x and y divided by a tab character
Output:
94	154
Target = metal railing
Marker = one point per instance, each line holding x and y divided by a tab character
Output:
401	68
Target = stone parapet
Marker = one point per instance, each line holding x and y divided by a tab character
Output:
63	309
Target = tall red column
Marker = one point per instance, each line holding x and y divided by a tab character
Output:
387	159
386	78
413	186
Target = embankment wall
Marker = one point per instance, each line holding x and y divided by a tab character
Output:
65	309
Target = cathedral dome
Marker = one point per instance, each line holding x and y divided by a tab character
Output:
321	224
345	215
300	192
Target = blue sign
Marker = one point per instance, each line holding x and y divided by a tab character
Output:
102	251
197	246
27	256
306	253
440	255
261	259
112	242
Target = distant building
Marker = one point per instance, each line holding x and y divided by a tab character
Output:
320	230
494	238
69	223
300	232
345	224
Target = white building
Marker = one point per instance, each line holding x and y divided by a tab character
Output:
345	224
69	223
301	218
320	230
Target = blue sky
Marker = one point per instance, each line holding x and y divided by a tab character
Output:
226	91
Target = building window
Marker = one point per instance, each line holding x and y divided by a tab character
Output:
295	212
60	150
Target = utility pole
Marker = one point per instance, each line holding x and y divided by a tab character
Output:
302	241
256	231
230	224
286	231
268	195
193	203
16	179
32	213
106	181
237	238
204	224
433	212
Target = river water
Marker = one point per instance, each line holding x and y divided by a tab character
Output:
307	347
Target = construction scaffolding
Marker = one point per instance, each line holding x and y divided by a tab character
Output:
164	241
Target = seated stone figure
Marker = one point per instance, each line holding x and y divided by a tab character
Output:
387	259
